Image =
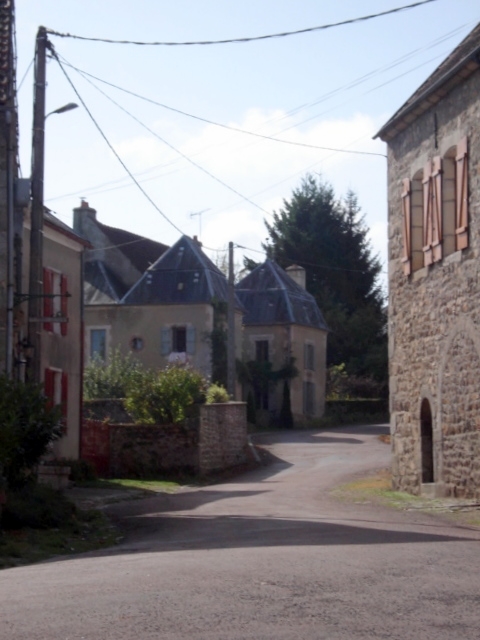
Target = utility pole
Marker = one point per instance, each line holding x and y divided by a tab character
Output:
35	291
231	325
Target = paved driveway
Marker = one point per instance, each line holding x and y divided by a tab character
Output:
267	555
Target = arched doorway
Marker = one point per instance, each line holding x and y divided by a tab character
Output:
426	433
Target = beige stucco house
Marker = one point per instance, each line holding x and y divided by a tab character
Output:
282	322
434	279
168	315
61	328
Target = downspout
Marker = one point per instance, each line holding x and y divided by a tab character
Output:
10	249
82	353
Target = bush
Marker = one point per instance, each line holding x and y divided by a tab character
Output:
164	397
113	378
217	393
28	424
37	507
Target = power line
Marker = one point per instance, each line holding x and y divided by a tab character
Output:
245	39
183	155
25	74
132	177
217	124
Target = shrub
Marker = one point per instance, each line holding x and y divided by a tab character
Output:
113	378
28	424
37	507
164	397
217	393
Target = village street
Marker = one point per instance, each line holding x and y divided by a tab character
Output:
270	554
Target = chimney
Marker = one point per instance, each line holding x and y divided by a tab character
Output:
80	216
197	241
297	274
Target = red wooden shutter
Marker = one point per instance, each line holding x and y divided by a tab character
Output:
64	400
64	305
461	184
427	214
49	386
407	226
437	228
47	300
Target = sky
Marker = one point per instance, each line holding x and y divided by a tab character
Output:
331	88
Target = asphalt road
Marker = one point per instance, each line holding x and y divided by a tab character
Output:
269	555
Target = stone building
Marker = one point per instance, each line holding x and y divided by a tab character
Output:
282	321
434	279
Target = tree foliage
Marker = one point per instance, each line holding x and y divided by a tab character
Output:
110	379
28	424
329	238
163	397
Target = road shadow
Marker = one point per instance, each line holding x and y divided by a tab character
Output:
164	534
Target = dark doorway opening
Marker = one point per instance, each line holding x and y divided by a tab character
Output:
426	430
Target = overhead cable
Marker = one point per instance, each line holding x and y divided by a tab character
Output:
245	39
132	177
219	124
183	155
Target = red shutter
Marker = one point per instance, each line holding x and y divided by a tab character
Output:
64	400
461	184
64	304
437	229
427	214
47	300
49	386
407	226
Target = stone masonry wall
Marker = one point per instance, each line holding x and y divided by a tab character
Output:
434	314
223	436
211	440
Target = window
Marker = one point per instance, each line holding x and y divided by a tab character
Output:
56	390
309	356
55	301
178	339
261	350
308	398
98	347
136	343
435	210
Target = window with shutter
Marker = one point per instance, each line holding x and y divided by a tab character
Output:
461	208
407	226
437	227
309	356
166	341
191	340
64	304
47	300
64	400
427	215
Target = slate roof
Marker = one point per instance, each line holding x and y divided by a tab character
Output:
270	296
461	63
182	275
53	222
101	285
141	252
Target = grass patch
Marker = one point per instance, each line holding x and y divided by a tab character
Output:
377	489
158	486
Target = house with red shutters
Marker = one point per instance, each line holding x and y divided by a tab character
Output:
60	327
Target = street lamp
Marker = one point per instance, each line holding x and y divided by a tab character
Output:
66	107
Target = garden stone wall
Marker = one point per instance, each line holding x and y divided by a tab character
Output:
213	439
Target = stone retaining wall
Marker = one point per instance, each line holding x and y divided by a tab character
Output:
211	440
